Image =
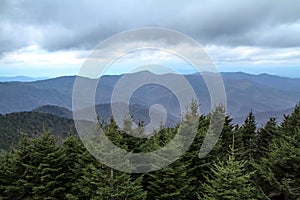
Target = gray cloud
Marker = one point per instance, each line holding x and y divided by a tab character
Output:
61	25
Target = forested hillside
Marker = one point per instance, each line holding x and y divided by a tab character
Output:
246	163
31	123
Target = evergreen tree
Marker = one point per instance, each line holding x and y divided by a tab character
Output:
246	136
280	169
291	123
85	187
229	180
100	182
195	166
33	169
45	178
119	186
171	182
225	140
11	172
75	158
264	138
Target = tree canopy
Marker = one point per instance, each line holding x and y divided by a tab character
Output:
247	162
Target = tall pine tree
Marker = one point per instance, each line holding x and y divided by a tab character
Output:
230	180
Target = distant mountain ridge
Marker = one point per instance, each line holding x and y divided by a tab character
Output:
20	78
245	92
272	81
104	111
55	110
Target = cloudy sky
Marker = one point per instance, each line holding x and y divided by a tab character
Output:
53	38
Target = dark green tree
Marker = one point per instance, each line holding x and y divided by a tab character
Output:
98	182
229	179
171	182
264	137
11	174
225	140
75	158
280	169
246	137
120	185
33	170
45	177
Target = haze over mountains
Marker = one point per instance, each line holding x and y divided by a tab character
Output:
20	78
263	94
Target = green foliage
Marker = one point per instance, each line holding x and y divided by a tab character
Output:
32	123
279	169
265	163
34	169
265	136
172	182
229	180
100	182
246	138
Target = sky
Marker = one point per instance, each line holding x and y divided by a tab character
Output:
53	38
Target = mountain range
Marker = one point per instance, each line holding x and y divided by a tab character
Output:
262	94
20	78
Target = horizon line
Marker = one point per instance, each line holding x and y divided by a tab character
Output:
37	78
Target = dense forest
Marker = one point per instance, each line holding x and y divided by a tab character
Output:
248	162
32	124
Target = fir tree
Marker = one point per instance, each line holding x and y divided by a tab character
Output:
280	169
11	172
75	158
120	185
229	179
264	138
246	136
33	169
225	140
171	182
98	182
46	177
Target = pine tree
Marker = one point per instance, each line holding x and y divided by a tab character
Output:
246	136
75	158
171	182
18	170
120	185
229	179
225	140
46	177
264	138
50	185
33	169
101	182
10	173
291	123
195	166
280	169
